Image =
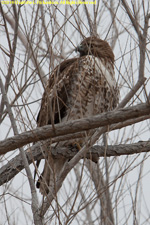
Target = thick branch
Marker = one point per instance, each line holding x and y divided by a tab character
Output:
75	126
14	166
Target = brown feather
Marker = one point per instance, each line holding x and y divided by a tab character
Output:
78	87
57	103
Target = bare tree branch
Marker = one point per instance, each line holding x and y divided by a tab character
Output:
34	204
102	189
14	166
71	164
12	53
100	193
133	20
142	45
45	132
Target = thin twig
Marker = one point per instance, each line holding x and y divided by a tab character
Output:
12	55
35	204
142	45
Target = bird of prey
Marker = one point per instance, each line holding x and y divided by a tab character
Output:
77	88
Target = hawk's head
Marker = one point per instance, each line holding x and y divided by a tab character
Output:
97	47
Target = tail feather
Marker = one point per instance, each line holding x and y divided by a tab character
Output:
48	178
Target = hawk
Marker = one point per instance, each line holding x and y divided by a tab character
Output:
77	88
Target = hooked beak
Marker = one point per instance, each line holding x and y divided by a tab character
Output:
79	48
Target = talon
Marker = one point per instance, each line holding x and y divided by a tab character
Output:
77	145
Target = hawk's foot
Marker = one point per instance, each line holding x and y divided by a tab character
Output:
76	144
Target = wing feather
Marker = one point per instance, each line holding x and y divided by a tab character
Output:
53	105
